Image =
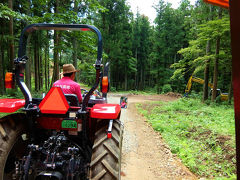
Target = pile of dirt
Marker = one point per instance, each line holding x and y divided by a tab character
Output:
173	94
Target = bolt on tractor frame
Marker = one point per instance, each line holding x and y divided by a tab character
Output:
60	138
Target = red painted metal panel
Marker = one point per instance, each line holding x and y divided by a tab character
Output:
85	29
235	39
105	111
54	123
221	3
11	105
54	102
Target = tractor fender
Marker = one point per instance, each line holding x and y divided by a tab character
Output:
105	111
13	117
11	105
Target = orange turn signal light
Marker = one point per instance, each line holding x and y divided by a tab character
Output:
105	84
9	83
221	3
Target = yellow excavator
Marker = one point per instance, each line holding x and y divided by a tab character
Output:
224	96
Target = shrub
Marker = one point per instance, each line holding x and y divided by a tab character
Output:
113	89
166	88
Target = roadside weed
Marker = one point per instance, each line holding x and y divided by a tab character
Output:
203	136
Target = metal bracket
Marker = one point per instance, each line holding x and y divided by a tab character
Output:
109	131
21	60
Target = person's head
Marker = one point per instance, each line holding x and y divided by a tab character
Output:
69	71
71	75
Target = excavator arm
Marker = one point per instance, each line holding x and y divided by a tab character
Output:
194	79
224	96
201	81
188	87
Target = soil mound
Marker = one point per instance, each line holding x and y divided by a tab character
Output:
173	94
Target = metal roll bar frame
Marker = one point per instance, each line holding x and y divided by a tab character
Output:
21	60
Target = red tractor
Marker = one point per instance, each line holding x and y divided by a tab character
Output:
55	137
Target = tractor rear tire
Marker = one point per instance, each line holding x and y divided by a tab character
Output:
11	145
106	154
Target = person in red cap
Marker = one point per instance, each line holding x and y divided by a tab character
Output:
67	83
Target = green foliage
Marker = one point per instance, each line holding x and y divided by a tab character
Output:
142	56
6	13
203	136
171	34
115	25
88	74
166	88
194	57
213	29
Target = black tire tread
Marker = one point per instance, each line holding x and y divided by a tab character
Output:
106	154
13	130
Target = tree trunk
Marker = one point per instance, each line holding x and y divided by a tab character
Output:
28	65
206	73
46	65
144	76
230	92
2	73
29	49
40	69
56	51
206	70
136	74
140	70
215	76
158	78
36	63
74	43
126	78
3	62
2	68
11	39
55	58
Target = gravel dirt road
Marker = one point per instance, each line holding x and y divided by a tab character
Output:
145	155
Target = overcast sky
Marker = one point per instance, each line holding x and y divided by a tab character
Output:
145	6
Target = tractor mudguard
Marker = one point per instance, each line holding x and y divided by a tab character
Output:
105	111
11	105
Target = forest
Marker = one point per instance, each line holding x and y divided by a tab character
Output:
145	57
157	57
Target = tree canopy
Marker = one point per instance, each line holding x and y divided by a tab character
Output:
143	55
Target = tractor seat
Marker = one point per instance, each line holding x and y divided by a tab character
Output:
72	99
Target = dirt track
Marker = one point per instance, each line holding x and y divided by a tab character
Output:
145	156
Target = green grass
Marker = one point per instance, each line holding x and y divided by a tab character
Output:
203	136
85	86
